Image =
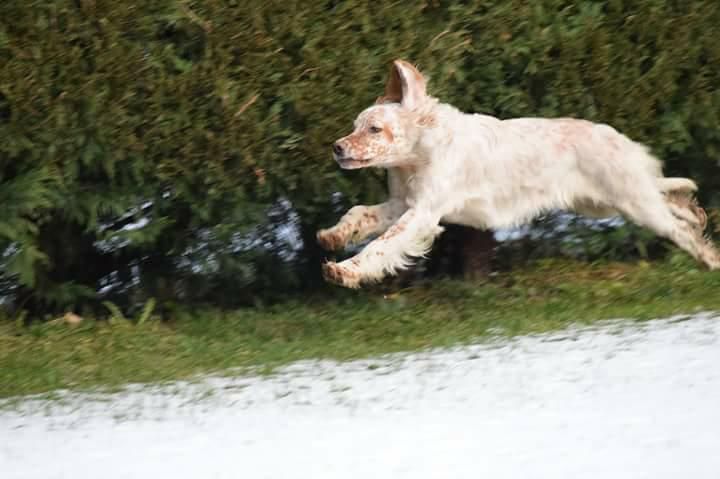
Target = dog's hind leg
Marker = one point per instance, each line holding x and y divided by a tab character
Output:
679	197
685	207
657	216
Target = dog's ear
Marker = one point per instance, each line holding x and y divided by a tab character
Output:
405	85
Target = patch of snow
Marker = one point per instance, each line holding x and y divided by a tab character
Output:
625	400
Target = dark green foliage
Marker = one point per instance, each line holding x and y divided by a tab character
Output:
209	122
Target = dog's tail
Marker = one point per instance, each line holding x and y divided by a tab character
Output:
677	185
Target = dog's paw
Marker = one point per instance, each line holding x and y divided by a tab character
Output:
700	214
340	275
331	240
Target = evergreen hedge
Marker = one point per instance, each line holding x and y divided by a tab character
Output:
158	149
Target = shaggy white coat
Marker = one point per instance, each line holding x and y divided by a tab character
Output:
477	170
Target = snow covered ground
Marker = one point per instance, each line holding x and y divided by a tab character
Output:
620	401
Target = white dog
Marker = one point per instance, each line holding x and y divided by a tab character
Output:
476	170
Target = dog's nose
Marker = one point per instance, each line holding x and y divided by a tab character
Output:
338	149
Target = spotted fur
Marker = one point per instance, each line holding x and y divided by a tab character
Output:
477	170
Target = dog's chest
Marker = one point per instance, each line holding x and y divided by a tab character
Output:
414	188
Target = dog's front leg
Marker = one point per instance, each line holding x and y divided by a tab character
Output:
359	223
411	236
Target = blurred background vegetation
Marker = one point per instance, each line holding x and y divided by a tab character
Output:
179	150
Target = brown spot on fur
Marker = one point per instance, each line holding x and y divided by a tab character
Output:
388	135
427	120
689	202
334	273
331	240
395	230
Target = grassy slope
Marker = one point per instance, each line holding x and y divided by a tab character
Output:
349	325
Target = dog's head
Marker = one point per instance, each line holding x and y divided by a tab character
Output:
386	133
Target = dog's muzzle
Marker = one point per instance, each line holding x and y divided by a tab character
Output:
346	161
338	151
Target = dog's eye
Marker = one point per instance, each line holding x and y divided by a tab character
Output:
375	129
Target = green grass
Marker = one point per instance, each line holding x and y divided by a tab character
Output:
46	357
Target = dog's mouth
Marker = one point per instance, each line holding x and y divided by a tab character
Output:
347	163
